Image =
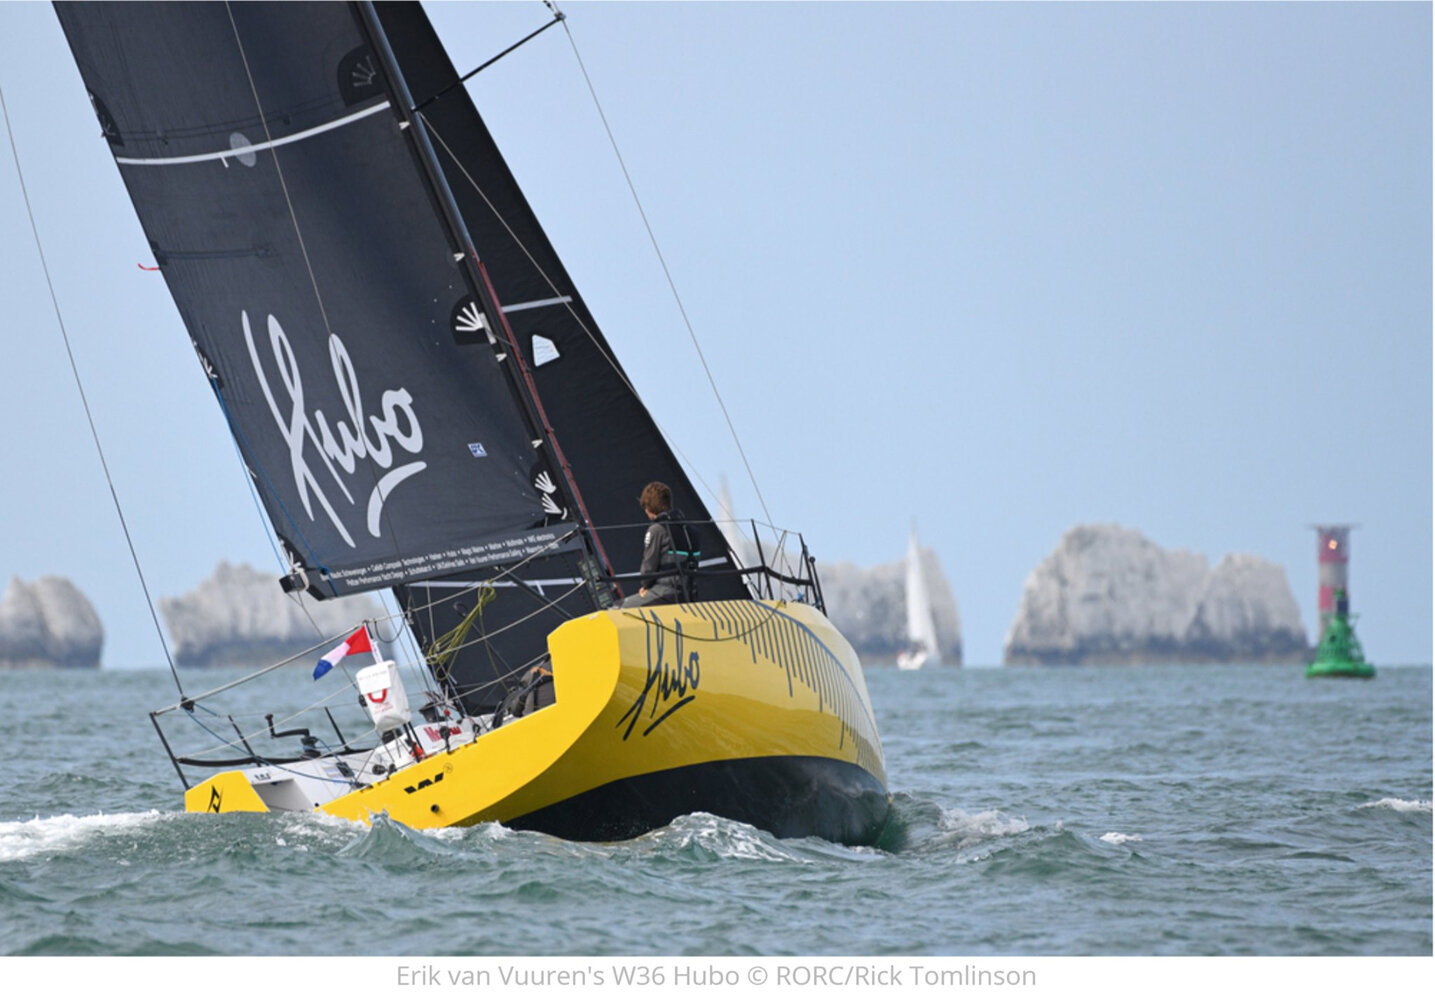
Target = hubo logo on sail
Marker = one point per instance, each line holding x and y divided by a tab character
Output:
340	449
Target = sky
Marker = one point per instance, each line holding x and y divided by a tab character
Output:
993	269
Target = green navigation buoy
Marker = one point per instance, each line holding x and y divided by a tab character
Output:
1339	653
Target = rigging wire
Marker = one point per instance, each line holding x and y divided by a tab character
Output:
553	285
298	232
288	203
667	273
568	305
279	170
558	15
324	643
284	565
84	400
558	293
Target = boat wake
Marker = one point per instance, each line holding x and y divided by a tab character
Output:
920	826
695	838
1399	805
704	837
386	840
50	835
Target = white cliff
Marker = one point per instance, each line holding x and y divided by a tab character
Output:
1246	611
48	623
239	616
1108	594
869	607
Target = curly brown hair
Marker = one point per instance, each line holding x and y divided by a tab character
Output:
656	498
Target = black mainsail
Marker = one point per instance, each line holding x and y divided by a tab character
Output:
415	385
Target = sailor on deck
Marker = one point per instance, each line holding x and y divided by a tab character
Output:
661	581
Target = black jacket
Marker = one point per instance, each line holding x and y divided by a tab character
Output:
659	564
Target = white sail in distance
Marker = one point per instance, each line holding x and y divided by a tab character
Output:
922	649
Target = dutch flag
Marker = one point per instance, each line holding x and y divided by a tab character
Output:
356	643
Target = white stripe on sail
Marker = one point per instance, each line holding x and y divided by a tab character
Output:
234	153
537	304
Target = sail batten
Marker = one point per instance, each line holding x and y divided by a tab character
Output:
235	152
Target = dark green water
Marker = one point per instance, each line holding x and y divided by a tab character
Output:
1158	811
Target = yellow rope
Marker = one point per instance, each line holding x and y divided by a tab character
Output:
444	648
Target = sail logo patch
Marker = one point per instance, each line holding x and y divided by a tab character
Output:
378	438
547	490
544	351
470	325
478	450
358	76
243	150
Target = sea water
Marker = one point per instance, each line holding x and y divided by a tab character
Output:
1205	810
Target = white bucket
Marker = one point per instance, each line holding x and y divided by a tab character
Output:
383	695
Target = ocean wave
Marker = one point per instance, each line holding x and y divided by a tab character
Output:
1055	853
390	841
140	945
984	825
25	839
1120	838
960	830
1399	805
921	825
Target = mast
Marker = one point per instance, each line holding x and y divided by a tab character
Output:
520	380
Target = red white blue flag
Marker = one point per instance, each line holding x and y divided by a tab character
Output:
356	643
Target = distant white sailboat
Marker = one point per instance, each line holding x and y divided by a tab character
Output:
744	552
922	649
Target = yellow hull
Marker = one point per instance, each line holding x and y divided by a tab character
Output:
753	710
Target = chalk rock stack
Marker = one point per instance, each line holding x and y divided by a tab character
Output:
1247	613
48	623
240	617
869	607
1110	595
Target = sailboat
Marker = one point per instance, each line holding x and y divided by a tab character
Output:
922	649
426	408
739	544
